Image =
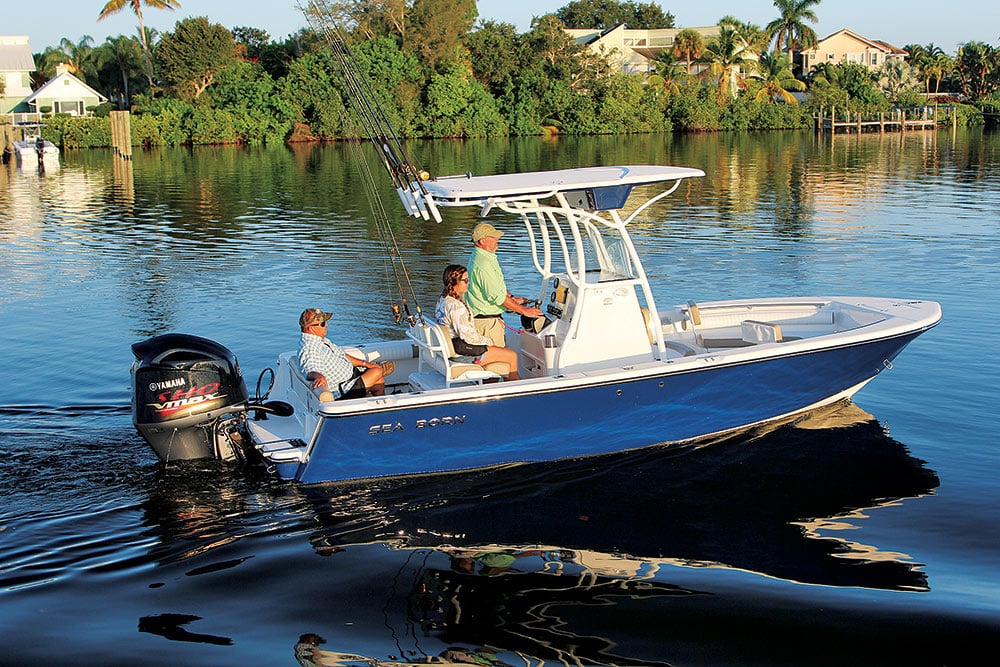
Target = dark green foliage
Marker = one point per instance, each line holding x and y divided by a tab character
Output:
490	82
459	106
494	51
193	54
313	86
75	132
978	68
601	14
847	86
435	31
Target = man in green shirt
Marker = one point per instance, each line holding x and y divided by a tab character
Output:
488	297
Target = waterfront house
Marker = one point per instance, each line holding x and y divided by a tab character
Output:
634	51
16	66
845	46
63	93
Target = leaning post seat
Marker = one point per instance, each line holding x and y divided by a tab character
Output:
438	353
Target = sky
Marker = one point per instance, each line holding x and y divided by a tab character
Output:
899	22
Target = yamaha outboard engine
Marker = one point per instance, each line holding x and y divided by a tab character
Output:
188	397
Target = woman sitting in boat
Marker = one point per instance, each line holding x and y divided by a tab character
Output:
455	315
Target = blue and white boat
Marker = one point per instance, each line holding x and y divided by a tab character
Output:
610	370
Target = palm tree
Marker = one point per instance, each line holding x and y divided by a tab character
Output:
940	66
790	28
688	43
125	55
777	79
896	77
727	54
668	72
751	33
918	57
77	57
115	6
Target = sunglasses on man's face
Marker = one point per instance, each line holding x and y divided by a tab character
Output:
320	324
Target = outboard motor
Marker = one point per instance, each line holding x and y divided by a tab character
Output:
188	397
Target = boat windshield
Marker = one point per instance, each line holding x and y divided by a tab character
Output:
604	253
587	249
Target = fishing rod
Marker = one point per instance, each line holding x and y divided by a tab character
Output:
407	178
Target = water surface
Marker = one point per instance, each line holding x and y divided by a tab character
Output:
865	534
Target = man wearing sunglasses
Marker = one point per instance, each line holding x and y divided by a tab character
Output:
329	367
488	297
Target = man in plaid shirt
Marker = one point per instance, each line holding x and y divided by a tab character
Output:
329	367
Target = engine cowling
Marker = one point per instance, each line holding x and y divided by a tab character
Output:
185	390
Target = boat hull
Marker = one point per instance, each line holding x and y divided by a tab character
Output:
586	418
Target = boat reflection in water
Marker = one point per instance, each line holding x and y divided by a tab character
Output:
561	562
769	501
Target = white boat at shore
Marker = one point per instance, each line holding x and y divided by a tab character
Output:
32	149
610	370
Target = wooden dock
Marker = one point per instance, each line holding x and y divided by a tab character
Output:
898	119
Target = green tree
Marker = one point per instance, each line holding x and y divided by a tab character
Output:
122	57
601	14
688	43
250	42
313	85
78	57
727	57
250	94
978	67
436	29
669	73
396	81
193	54
756	38
626	104
459	106
789	30
115	6
846	86
919	58
896	77
941	66
556	80
368	19
494	51
776	79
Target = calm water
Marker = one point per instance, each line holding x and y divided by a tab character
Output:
866	535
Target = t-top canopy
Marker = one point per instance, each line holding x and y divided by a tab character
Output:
604	187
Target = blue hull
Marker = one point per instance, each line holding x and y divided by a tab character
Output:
586	420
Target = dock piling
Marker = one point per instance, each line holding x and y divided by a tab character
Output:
121	134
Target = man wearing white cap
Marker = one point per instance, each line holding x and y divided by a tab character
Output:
488	297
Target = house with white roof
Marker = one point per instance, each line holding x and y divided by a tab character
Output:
16	66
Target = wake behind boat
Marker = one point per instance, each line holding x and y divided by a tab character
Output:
607	369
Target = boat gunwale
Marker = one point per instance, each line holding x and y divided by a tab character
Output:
582	380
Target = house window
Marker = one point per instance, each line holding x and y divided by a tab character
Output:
73	108
874	59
